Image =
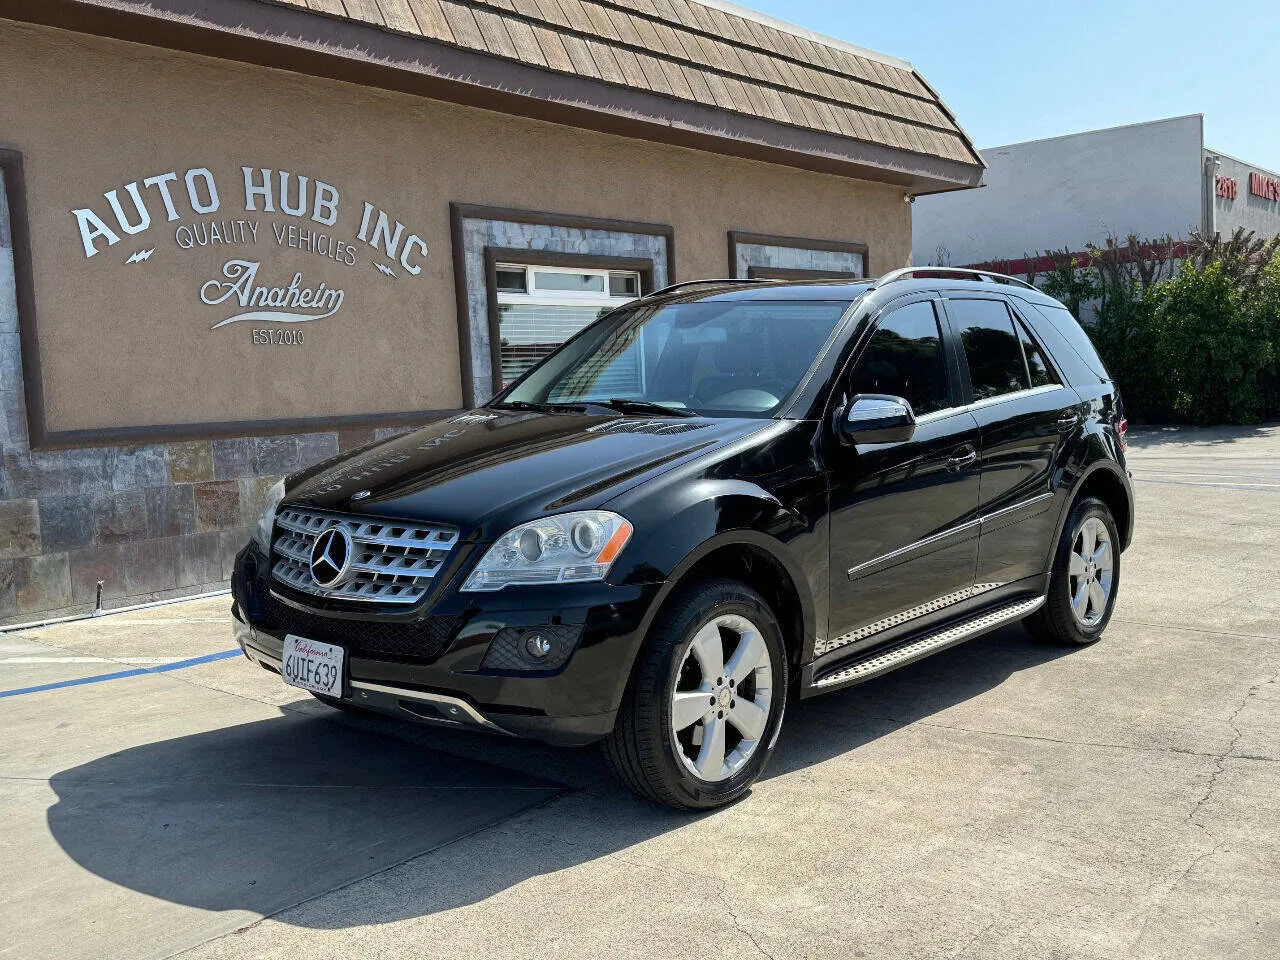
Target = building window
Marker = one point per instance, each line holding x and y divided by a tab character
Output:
540	307
761	257
788	273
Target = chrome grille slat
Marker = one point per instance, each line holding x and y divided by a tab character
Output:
394	561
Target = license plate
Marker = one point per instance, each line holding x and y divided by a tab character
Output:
312	665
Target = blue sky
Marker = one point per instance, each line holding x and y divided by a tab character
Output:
1023	71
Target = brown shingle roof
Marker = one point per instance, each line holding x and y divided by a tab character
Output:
707	75
690	51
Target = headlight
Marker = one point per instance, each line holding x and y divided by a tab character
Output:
569	548
268	518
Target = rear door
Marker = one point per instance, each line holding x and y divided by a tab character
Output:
1025	412
903	515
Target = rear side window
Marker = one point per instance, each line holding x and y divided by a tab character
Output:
991	346
1038	367
1069	330
904	358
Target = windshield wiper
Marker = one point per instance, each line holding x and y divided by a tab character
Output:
540	407
625	405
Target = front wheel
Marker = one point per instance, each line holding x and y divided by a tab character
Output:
1084	580
705	702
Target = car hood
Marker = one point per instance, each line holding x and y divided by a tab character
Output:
487	470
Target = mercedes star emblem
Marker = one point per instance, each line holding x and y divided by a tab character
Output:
331	557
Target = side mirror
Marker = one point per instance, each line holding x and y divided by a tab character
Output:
877	418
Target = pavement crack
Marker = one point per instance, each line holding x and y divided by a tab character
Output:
1220	760
733	916
1169	891
964	948
701	877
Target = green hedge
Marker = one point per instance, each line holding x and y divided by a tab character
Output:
1202	346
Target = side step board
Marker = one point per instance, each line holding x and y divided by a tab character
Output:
908	651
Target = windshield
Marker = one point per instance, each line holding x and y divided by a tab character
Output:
726	359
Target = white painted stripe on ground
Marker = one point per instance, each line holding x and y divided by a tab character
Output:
6	661
117	622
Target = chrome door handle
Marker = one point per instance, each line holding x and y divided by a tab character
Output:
1067	422
963	459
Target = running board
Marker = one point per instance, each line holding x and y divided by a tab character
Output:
909	651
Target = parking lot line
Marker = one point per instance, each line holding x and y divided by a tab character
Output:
123	674
7	661
1254	487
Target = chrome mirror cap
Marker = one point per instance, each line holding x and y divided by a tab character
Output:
878	418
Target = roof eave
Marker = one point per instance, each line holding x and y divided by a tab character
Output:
287	37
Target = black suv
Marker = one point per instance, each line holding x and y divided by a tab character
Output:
715	499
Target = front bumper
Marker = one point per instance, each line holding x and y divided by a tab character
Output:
573	704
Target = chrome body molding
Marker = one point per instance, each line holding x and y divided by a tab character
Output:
950	532
1021	505
901	654
913	547
826	646
988	402
453	710
391	562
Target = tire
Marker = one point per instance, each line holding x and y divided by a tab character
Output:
644	749
1058	620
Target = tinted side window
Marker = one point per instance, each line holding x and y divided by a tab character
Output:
991	347
1042	374
904	358
1074	334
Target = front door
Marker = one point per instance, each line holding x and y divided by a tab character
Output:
904	535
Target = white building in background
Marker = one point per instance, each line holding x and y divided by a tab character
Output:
1151	179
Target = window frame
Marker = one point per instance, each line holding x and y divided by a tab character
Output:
552	262
1024	328
956	397
1019	324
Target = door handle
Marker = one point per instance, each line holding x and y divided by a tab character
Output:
962	458
1067	422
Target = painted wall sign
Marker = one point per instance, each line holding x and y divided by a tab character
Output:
245	221
1225	187
1261	185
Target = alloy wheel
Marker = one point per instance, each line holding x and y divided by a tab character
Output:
722	698
1091	572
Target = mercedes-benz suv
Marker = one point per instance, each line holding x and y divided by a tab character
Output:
720	498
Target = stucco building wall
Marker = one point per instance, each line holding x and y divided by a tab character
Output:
1143	179
1257	213
132	346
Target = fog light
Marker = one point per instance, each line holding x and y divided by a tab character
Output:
537	646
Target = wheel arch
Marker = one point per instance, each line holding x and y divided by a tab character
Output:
1107	482
760	562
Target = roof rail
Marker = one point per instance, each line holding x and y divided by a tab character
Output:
695	283
950	273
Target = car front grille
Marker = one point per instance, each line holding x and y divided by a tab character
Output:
421	641
392	562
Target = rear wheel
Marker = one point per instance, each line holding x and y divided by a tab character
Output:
1084	580
706	699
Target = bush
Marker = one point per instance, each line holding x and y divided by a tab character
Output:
1201	345
1209	347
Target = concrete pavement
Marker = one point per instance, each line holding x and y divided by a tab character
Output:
998	800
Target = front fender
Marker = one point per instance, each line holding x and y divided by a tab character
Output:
710	515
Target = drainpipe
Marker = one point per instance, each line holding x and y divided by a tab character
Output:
1209	208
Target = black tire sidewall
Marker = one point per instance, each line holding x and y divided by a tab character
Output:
718	599
1070	629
